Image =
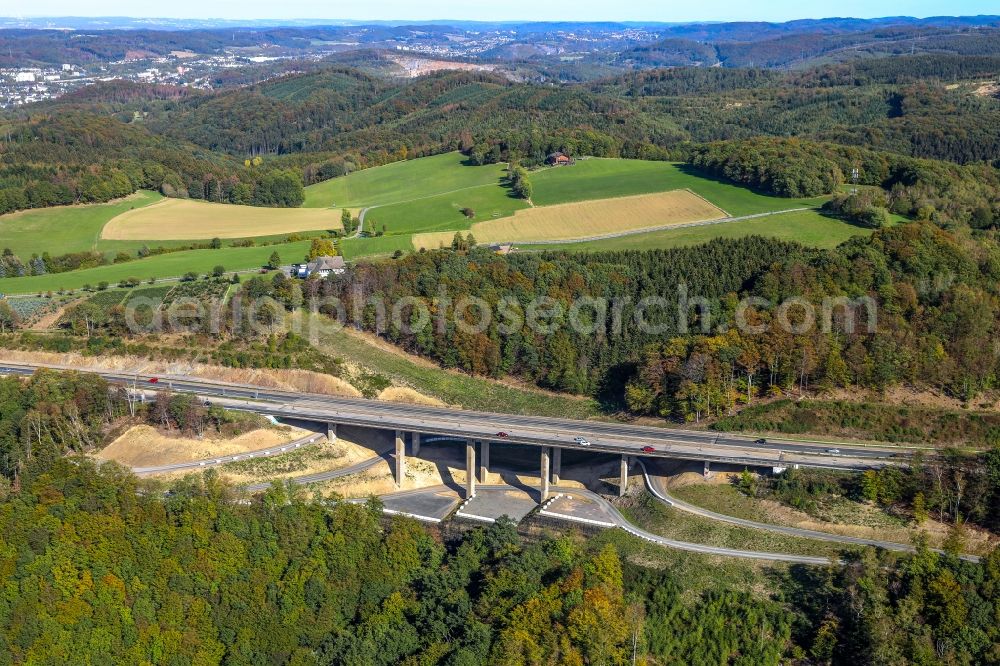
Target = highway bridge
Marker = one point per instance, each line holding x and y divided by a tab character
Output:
478	429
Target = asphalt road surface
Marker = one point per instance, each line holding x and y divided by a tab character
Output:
657	487
600	436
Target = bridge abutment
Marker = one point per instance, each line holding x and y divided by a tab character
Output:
556	465
416	443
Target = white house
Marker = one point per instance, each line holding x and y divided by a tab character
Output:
322	266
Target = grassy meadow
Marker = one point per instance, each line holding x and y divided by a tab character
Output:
165	265
64	229
428	194
421	196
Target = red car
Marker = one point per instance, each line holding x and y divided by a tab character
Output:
648	449
502	435
154	380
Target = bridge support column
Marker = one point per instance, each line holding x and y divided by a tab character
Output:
556	465
546	451
708	469
623	480
484	460
331	432
470	469
400	458
416	443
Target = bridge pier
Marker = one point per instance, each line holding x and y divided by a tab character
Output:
556	465
623	480
545	472
400	458
470	469
484	460
708	469
331	432
416	443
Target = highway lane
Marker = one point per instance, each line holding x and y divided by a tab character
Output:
455	424
604	437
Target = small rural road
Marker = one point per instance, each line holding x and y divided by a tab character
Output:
657	487
275	450
361	222
615	517
320	477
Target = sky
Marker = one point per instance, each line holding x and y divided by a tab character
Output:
501	10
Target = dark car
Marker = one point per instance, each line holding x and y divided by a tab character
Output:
648	449
761	441
502	435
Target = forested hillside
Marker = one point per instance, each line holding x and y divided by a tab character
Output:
934	294
330	120
79	157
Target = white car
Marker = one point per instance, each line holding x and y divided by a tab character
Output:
833	452
582	441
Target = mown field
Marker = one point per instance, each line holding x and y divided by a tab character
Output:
809	227
172	219
583	219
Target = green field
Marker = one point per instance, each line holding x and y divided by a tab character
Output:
428	194
64	229
402	181
443	212
165	265
808	227
414	196
596	178
357	248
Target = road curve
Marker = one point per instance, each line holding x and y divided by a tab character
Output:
658	489
615	516
319	477
275	450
